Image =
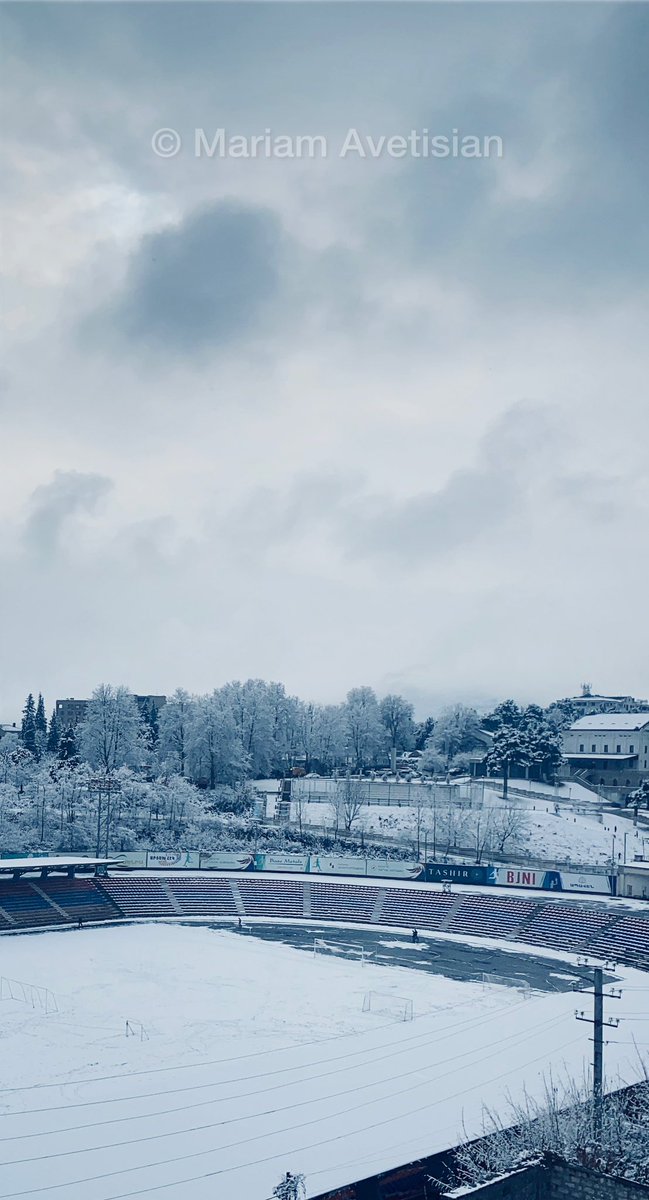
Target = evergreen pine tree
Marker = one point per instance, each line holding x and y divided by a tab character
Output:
53	736
40	726
149	723
28	730
68	746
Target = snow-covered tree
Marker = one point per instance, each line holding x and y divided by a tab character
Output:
562	713
561	1122
173	729
431	761
423	730
640	795
509	825
329	736
510	748
53	734
252	710
291	1187
506	713
347	803
543	745
110	734
28	728
397	716
40	727
457	729
366	735
68	750
214	749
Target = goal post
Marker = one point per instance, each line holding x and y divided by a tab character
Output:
33	994
400	1007
508	981
352	949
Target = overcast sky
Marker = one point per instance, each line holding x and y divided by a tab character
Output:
336	421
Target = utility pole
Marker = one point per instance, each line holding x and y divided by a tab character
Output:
598	1022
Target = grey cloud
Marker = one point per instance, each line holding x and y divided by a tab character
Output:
271	517
586	232
205	283
598	497
473	502
53	504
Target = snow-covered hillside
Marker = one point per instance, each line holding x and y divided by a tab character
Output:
547	829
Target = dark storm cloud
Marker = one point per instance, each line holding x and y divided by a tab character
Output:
583	124
204	283
51	505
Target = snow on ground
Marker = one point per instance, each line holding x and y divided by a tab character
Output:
571	791
257	1059
567	833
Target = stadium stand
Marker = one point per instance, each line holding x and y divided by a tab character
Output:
272	897
81	899
203	895
626	940
430	910
563	927
530	920
26	907
501	917
25	904
145	896
340	902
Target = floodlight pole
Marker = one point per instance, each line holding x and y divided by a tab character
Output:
103	785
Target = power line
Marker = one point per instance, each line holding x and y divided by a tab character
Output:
469	1026
268	1158
423	1038
281	1108
210	1062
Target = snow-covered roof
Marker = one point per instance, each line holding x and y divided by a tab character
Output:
608	757
612	721
52	864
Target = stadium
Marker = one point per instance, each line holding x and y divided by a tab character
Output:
198	1034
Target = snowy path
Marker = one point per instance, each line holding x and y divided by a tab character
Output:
258	1060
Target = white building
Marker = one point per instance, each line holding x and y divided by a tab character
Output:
609	749
589	702
633	880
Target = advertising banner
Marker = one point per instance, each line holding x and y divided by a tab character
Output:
281	862
131	858
336	864
572	881
527	877
392	868
226	860
345	864
458	873
176	860
555	881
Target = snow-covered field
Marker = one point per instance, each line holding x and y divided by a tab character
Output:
252	1058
